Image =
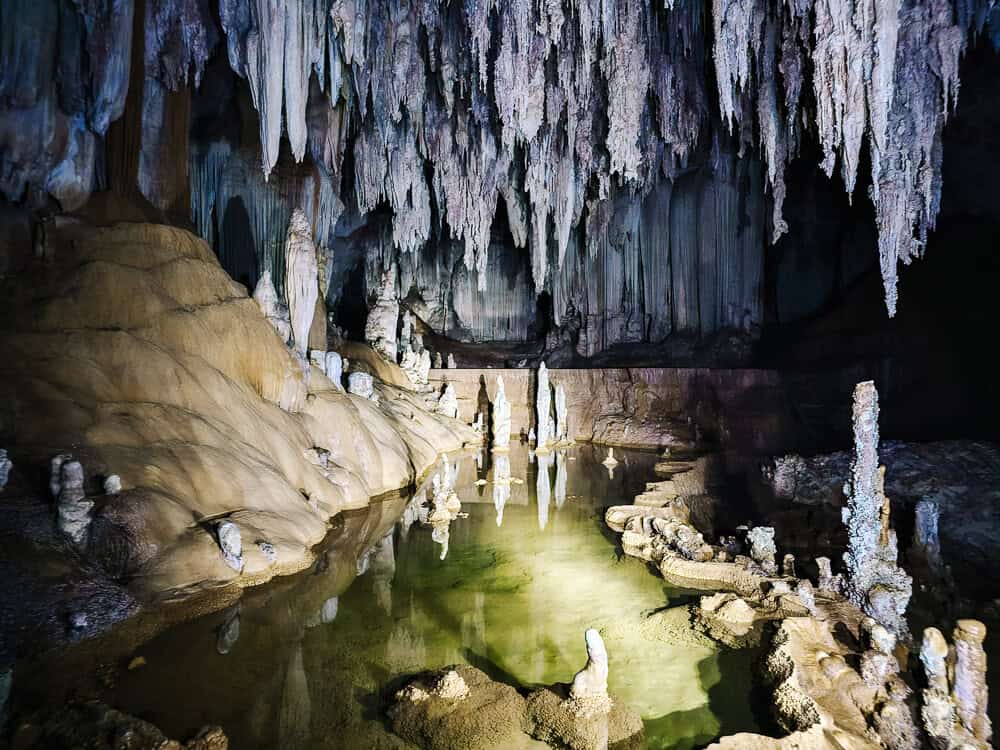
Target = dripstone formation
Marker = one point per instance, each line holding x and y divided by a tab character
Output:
632	147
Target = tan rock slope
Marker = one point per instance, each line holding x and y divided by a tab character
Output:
133	350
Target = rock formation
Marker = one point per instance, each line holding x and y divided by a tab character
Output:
874	581
383	317
562	415
589	692
955	697
333	366
361	384
230	541
448	403
926	542
543	405
112	485
301	279
501	418
271	305
73	509
762	549
437	360
5	466
451	361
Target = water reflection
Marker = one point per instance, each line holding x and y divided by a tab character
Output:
501	483
521	580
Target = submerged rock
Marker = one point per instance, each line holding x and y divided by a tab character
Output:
458	708
97	726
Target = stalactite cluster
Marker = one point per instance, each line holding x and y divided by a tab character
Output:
436	112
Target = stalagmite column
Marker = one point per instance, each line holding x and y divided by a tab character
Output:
955	698
562	423
926	542
383	317
588	694
873	579
448	403
969	691
301	279
273	308
543	405
501	418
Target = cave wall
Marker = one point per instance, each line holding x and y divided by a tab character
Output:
638	153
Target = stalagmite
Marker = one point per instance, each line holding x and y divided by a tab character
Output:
424	366
873	579
301	279
955	698
334	369
762	549
448	403
588	695
501	418
437	360
562	424
383	317
5	466
543	405
73	509
926	542
451	361
112	485
969	690
361	384
271	305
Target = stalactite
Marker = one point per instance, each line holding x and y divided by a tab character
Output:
556	107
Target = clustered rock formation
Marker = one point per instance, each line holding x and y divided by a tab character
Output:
592	128
809	667
460	706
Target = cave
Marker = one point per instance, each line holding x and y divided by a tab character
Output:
413	374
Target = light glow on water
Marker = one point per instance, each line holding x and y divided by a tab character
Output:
529	569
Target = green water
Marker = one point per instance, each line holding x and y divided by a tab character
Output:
309	659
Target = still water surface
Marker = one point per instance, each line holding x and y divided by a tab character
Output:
304	662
